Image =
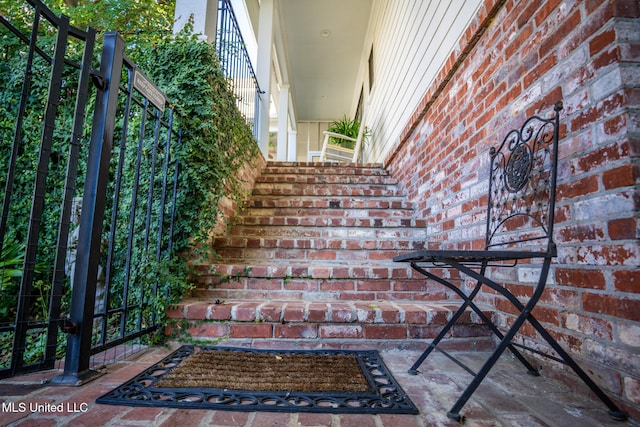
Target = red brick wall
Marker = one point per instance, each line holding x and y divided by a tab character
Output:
518	58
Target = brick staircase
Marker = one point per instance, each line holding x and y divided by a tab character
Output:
309	264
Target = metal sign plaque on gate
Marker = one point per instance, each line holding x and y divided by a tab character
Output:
146	87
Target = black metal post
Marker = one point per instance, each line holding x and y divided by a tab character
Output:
76	367
69	191
174	199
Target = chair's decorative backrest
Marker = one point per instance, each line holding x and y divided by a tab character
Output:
522	185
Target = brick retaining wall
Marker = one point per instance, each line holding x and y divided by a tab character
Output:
248	174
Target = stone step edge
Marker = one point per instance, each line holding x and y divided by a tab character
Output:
311	172
320	243
331	193
328	210
300	176
324	200
266	220
379	271
332	206
328	189
340	180
343	312
316	259
302	338
319	165
297	290
343	225
295	217
293	184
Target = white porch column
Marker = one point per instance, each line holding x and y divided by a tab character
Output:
205	15
293	146
263	69
283	123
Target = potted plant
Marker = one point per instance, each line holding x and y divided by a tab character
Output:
347	127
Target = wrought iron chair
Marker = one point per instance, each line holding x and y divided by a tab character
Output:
519	228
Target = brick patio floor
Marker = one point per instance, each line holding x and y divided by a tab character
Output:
508	397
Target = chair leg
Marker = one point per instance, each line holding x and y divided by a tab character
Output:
454	413
468	302
530	369
414	369
525	314
614	411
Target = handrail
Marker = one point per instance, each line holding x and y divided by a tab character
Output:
236	64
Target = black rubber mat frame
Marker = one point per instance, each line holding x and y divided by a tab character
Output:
386	395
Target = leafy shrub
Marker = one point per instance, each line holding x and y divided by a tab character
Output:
216	141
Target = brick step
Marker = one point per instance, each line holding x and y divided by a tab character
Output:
310	260
397	204
310	249
329	211
387	242
301	289
327	233
278	217
338	324
314	179
326	190
302	280
287	255
329	270
327	168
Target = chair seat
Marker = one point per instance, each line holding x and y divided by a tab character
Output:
466	256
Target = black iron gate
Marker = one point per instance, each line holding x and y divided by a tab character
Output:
87	208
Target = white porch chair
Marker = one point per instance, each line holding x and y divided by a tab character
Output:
337	153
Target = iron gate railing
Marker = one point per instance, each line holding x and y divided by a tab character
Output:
42	161
83	217
236	65
118	241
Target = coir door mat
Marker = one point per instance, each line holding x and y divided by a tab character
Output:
223	378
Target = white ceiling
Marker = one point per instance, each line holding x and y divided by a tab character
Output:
324	69
322	41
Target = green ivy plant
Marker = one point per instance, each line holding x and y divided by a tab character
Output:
216	143
216	140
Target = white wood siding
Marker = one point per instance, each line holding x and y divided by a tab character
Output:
411	41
